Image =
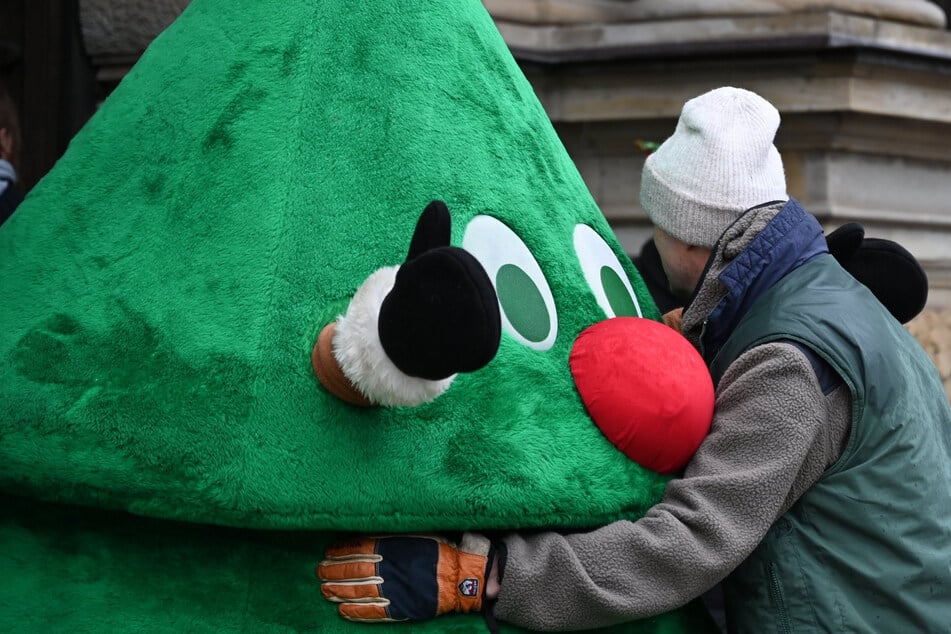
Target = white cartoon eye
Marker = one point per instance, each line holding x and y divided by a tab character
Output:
528	307
605	275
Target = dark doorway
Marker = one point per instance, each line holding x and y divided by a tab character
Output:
45	70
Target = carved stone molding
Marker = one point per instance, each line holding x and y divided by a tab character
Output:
863	101
919	12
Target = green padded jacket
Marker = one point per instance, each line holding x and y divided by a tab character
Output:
868	547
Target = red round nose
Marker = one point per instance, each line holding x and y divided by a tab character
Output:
646	388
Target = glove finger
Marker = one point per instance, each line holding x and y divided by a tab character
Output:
363	591
366	612
347	569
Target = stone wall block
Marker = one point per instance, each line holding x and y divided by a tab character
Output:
125	28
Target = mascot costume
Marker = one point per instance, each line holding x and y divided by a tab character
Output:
315	268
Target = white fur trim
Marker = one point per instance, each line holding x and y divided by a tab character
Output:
360	354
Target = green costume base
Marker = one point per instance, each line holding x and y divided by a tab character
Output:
77	570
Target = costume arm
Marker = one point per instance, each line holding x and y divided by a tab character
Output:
770	439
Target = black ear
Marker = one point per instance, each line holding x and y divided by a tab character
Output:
892	274
442	314
845	241
433	229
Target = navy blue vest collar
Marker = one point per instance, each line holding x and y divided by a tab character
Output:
792	238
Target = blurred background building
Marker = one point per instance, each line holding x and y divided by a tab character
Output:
864	88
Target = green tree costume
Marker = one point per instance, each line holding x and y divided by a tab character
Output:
168	461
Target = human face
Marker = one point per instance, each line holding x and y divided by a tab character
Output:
683	263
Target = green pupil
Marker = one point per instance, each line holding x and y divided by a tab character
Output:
522	302
618	297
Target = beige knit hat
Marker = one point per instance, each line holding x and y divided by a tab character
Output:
719	162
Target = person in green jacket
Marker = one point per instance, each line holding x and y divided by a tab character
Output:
821	498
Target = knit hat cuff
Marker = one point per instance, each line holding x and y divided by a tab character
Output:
682	216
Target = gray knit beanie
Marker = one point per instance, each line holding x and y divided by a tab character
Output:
719	162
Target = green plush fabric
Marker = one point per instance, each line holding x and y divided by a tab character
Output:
170	458
73	570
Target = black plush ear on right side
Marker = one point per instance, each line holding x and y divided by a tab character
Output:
893	275
845	241
889	270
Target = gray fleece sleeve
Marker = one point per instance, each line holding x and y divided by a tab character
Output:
772	436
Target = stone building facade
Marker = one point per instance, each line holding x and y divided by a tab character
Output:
864	88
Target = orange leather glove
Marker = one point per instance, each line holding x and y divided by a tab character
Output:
405	578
